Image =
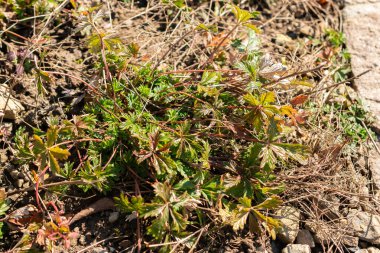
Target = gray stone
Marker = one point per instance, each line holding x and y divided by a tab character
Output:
354	2
19	182
373	250
305	237
307	30
10	108
374	167
369	250
365	225
361	30
14	173
283	39
82	240
99	250
290	218
297	248
114	216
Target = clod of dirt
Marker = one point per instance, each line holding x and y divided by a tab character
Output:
99	206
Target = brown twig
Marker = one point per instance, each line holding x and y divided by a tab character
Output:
336	84
45	186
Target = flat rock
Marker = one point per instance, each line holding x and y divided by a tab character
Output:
368	250
360	19
374	167
290	218
9	106
353	2
365	225
297	248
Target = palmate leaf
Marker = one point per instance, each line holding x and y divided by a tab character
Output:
267	157
158	228
134	205
51	136
297	152
253	27
59	153
241	188
187	145
53	163
262	109
240	219
241	213
178	222
270	203
242	16
163	190
39	145
210	78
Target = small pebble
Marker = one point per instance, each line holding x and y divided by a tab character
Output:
82	240
125	244
114	216
19	182
27	184
14	174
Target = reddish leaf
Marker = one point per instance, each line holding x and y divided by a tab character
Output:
21	217
300	99
219	39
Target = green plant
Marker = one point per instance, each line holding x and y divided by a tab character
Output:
25	7
202	143
4	206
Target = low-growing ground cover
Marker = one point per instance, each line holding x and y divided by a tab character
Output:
194	122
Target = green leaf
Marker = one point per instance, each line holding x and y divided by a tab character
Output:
270	203
178	221
54	166
296	82
158	228
135	205
297	152
253	27
267	98
59	153
268	158
210	78
51	136
241	15
38	143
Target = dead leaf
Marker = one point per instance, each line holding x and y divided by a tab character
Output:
298	100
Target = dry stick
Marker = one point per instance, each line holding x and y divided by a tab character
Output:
198	238
77	78
336	84
370	136
295	74
202	70
171	48
32	188
178	242
104	240
211	57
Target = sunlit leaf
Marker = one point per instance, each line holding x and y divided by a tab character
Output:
59	153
